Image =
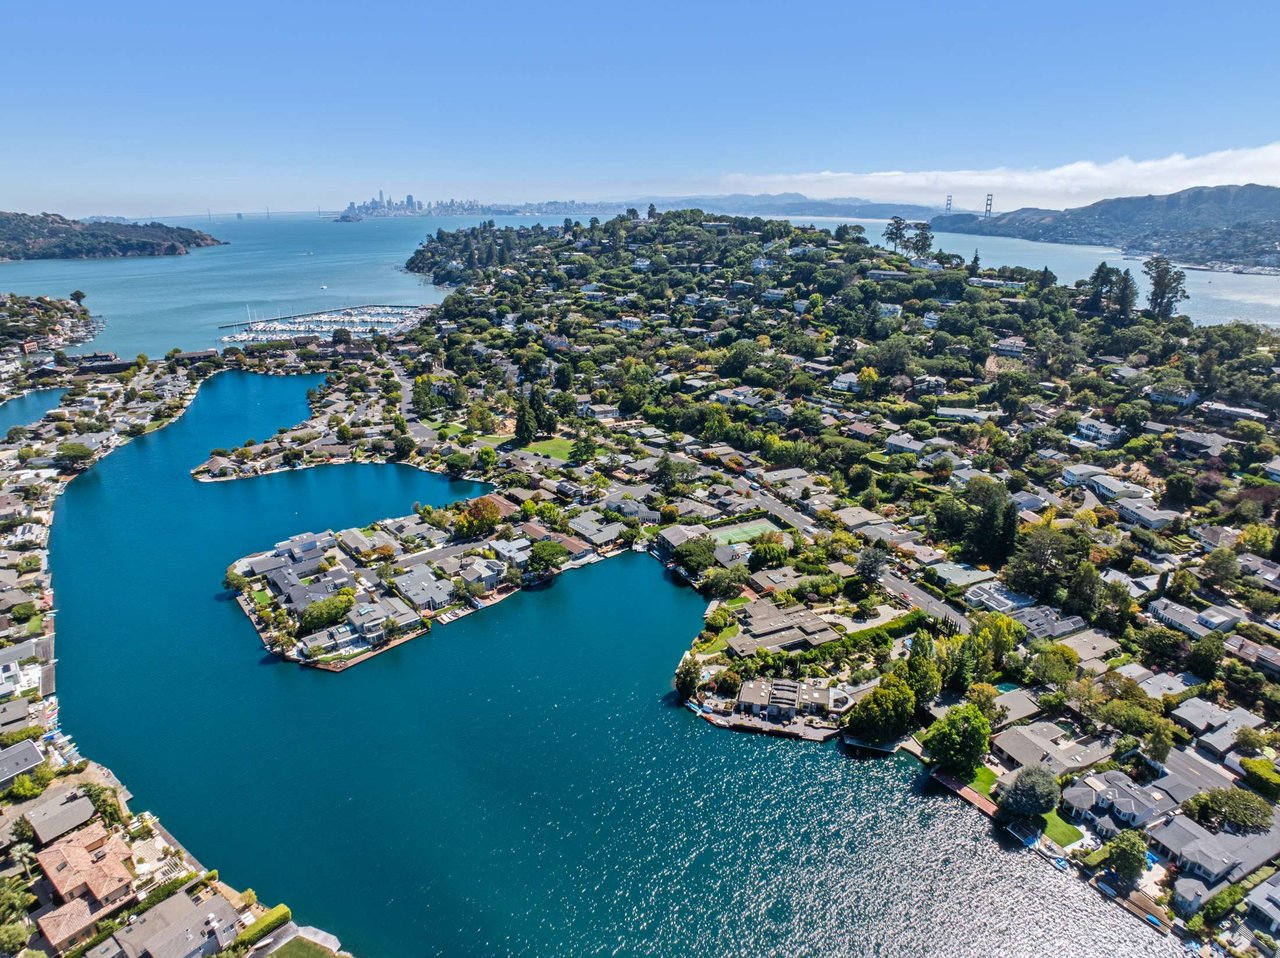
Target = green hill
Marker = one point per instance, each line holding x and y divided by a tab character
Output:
50	236
1237	224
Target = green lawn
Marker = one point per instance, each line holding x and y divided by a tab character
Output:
737	603
1060	831
983	780
301	948
557	448
262	597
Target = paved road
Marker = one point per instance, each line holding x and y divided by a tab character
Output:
923	600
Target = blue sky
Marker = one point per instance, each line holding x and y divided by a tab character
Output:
138	108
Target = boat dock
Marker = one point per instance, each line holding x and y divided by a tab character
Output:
361	321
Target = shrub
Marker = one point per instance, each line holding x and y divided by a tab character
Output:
265	925
1262	775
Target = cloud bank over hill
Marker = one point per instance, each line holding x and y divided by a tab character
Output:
1071	184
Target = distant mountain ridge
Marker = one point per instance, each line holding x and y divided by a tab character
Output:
1204	224
728	204
50	236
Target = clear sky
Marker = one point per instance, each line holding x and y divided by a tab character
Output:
137	108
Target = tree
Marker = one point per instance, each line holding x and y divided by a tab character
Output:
326	612
526	424
696	555
1041	562
584	448
669	473
1083	591
458	463
1168	286
1234	807
1056	665
546	556
722	583
1220	567
870	564
653	212
921	671
688	676
23	854
767	555
887	712
73	455
14	936
1159	741
984	695
1126	294
921	241
1127	855
478	519
958	740
403	447
77	297
896	232
1205	656
1034	792
15	899
486	458
341	337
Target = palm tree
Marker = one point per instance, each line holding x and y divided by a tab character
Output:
23	855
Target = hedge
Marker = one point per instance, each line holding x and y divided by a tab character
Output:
269	922
1262	775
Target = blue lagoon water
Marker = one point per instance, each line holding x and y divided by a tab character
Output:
28	408
521	782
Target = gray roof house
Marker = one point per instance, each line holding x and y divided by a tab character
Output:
18	760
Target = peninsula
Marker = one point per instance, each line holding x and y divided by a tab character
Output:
50	236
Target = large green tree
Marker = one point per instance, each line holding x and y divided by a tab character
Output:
958	740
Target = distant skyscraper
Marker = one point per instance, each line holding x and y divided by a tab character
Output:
380	201
408	202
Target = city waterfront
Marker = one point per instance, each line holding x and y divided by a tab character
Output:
519	782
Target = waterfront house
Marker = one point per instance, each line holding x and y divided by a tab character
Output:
89	872
19	759
423	590
1046	744
60	811
485	572
671	538
762	625
1208	862
178	927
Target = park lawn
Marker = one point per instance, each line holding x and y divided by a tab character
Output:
494	439
1060	831
558	447
983	780
301	948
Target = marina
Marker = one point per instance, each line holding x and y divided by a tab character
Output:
363	322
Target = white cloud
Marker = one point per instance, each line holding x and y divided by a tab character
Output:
1073	184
